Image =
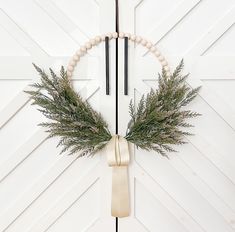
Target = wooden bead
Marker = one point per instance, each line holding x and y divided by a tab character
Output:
69	74
79	53
109	35
72	63
133	37
70	68
76	58
138	39
103	37
83	49
161	58
153	49
143	42
149	45
114	35
128	35
88	45
164	63
98	39
157	53
82	53
121	35
93	42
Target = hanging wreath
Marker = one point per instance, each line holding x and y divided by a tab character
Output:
156	123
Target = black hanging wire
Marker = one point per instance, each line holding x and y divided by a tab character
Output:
125	65
107	63
116	89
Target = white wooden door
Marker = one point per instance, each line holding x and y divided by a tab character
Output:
40	190
194	190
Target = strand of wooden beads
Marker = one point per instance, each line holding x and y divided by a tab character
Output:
98	39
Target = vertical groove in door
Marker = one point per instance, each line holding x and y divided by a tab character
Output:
117	30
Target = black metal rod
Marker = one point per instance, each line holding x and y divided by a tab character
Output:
107	63
126	66
116	224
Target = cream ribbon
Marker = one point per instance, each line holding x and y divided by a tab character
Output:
118	158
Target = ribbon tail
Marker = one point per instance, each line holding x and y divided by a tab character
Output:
120	192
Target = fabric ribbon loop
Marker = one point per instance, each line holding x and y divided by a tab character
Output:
118	158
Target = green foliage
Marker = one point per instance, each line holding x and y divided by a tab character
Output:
159	119
78	125
156	123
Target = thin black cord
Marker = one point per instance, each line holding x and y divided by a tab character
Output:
107	63
125	66
117	30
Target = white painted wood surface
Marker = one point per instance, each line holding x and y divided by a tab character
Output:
40	190
194	190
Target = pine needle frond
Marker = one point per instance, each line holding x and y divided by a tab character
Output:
81	129
160	114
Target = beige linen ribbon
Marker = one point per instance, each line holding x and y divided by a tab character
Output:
118	158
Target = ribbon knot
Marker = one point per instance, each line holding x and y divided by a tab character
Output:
118	158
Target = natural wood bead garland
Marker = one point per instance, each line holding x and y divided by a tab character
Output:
98	39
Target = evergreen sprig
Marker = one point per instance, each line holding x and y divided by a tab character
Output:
79	126
156	123
159	119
